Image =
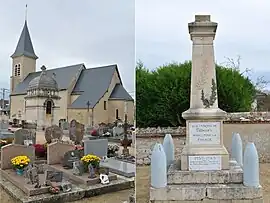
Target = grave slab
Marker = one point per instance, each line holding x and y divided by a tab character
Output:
78	191
79	179
20	182
120	167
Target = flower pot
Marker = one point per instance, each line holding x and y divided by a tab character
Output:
19	172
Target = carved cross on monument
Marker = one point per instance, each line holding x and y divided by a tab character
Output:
204	148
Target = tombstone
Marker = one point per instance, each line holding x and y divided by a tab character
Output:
158	167
118	131
4	125
12	150
56	152
98	147
25	137
72	130
168	146
70	157
76	131
251	166
65	125
53	133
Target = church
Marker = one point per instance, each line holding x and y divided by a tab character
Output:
52	96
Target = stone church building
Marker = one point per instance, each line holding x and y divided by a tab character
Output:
50	96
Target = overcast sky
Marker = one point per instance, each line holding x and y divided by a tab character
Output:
243	29
93	32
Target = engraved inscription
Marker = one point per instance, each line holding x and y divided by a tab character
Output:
206	133
204	163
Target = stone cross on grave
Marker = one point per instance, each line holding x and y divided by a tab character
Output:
204	149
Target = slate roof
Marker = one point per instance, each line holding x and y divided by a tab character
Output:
92	85
63	76
25	46
119	93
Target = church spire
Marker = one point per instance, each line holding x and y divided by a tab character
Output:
25	46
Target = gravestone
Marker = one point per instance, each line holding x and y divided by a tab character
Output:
4	125
56	152
52	133
98	147
76	131
118	131
70	157
25	137
12	150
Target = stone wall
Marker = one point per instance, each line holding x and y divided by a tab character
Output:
258	132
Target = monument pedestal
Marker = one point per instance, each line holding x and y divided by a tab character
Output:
224	186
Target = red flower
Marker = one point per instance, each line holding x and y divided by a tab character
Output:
39	148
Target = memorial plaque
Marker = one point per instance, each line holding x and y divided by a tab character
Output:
204	133
204	163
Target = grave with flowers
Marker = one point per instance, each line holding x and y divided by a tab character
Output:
71	171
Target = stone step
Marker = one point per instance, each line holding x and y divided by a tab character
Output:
176	176
196	192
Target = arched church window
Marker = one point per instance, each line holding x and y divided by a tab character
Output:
15	70
49	107
116	114
19	70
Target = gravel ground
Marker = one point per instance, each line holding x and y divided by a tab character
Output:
143	182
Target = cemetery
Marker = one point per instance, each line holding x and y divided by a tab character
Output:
205	171
70	165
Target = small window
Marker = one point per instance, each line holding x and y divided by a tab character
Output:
105	105
49	108
15	70
116	114
19	70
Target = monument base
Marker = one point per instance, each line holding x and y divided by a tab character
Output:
220	153
205	187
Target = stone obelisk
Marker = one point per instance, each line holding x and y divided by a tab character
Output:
204	148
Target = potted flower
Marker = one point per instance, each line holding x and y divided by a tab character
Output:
112	150
19	163
90	159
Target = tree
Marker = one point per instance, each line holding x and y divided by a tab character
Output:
163	94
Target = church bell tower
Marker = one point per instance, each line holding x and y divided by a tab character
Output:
23	59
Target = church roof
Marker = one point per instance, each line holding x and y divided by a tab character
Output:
63	76
43	81
25	46
91	85
119	93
